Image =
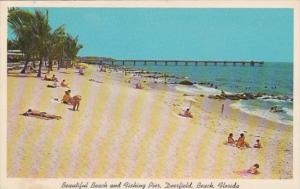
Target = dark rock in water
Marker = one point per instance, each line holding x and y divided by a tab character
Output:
217	97
282	97
186	82
233	97
266	97
201	95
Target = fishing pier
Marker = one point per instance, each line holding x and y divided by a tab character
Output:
130	62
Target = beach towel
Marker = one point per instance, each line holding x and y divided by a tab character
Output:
55	100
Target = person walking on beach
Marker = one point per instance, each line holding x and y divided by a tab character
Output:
222	109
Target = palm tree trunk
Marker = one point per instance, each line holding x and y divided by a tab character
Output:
25	66
59	63
50	64
39	74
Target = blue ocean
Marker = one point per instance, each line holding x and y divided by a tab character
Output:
274	79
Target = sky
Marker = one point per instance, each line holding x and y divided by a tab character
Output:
182	33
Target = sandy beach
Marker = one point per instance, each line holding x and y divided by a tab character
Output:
123	132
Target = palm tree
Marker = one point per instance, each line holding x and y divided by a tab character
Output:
34	38
20	22
41	35
56	43
72	47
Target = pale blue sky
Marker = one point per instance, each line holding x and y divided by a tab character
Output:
204	34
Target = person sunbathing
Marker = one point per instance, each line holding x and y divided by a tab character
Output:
54	78
54	85
230	139
253	170
258	144
186	113
248	172
37	113
67	97
64	84
95	80
241	143
46	78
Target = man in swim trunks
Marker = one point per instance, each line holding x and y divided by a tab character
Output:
75	101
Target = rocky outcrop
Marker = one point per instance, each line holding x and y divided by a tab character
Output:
186	82
247	96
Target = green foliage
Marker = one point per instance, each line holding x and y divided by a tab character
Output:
35	38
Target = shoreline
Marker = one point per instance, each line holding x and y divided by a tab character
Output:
208	122
206	89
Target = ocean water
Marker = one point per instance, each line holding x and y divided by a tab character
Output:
271	78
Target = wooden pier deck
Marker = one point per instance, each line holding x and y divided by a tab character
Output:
174	62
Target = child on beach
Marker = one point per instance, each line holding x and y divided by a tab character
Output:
258	144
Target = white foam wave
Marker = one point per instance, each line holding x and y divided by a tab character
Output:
188	89
262	113
271	99
288	111
208	90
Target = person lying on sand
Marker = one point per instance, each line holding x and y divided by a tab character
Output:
37	113
95	81
230	139
46	78
54	85
251	171
258	144
64	84
186	113
241	143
